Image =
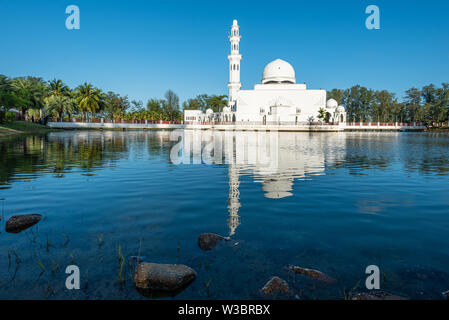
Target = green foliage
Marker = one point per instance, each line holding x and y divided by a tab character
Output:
10	116
35	98
203	102
88	98
57	105
322	113
430	104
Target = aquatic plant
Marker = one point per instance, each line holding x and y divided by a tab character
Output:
100	240
67	240
54	266
121	262
48	244
348	294
207	286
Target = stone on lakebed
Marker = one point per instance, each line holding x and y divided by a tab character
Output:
18	223
275	286
314	274
163	277
376	295
208	241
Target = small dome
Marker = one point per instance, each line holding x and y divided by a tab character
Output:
331	103
278	71
340	109
209	111
226	109
234	23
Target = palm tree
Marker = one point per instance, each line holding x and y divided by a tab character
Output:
88	98
32	90
60	104
59	88
322	113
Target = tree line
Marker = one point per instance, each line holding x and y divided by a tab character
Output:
37	99
430	104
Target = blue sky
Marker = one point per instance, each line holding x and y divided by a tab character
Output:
143	48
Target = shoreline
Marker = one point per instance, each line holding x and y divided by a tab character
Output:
238	127
23	128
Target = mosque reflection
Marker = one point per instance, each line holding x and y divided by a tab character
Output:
274	159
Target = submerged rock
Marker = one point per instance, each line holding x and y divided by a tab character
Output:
18	223
311	273
275	286
137	259
163	277
376	295
446	294
208	241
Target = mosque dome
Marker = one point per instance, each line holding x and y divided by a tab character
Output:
277	188
331	103
209	111
278	71
340	109
226	109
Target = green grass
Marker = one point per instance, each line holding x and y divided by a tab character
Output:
23	127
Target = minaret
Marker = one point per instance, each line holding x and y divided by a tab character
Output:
234	58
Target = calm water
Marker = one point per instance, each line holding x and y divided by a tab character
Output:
336	202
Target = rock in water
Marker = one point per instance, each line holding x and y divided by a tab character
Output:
208	241
163	277
311	273
376	295
275	286
18	223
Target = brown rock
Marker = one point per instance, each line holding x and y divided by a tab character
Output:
376	295
275	285
163	277
208	241
311	273
18	223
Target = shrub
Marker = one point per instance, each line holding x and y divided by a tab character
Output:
10	116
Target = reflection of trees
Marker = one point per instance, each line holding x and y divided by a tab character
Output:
57	154
423	153
429	154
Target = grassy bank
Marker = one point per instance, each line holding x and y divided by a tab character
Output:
24	127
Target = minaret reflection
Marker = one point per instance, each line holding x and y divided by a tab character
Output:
233	200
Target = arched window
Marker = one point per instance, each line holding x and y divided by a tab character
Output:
238	66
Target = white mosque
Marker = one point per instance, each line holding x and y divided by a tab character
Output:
277	100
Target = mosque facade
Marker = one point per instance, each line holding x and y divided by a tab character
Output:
278	99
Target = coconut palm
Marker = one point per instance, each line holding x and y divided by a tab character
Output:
31	90
60	104
59	88
88	98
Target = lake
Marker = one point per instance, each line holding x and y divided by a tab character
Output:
335	202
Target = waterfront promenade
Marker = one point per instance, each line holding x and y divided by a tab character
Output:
241	126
